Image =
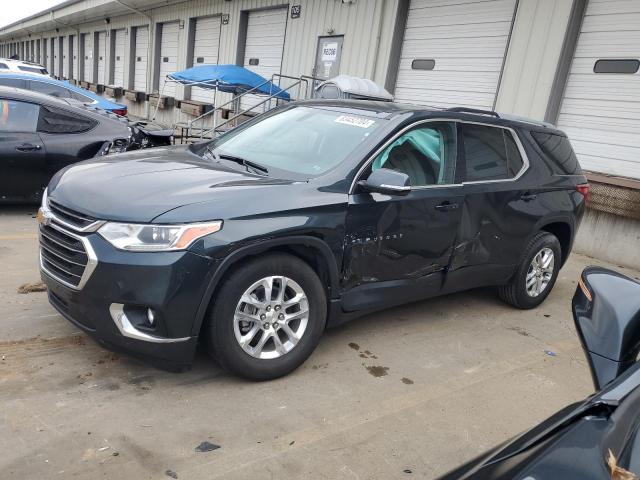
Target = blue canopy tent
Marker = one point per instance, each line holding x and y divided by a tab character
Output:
228	78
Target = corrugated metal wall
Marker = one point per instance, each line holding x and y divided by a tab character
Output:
368	27
366	44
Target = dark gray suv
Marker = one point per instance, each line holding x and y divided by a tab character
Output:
303	218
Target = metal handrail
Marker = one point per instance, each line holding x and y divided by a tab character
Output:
212	113
300	82
231	101
239	114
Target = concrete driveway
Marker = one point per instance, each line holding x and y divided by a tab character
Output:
406	393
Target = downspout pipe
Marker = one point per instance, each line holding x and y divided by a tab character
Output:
150	58
378	38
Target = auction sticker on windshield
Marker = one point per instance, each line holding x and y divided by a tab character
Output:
355	121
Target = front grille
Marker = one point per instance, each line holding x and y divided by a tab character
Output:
73	218
63	256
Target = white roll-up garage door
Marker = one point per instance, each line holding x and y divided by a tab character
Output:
118	60
601	111
65	56
263	47
453	52
140	63
73	54
87	71
168	56
102	57
55	63
205	51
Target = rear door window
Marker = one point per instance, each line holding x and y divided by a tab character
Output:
56	120
491	153
49	89
514	158
18	116
13	82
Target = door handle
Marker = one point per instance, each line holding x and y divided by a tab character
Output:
527	197
446	206
28	147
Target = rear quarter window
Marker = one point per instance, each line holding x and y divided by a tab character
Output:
32	69
49	89
558	152
55	120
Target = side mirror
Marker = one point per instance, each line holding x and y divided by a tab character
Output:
606	311
387	181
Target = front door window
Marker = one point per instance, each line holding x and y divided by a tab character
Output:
18	116
426	154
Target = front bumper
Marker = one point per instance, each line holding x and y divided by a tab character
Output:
172	284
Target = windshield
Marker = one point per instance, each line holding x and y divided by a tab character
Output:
304	140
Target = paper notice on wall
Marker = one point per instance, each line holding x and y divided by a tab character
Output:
330	52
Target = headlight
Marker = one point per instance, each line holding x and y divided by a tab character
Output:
155	238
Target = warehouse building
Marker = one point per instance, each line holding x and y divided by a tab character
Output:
574	63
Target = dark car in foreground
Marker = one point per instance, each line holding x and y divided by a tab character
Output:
302	218
598	438
40	135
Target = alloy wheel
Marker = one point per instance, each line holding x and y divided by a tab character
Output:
271	317
540	272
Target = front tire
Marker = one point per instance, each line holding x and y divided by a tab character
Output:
267	317
536	274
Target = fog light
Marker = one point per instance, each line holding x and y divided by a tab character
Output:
151	317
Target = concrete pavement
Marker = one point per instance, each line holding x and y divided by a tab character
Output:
407	393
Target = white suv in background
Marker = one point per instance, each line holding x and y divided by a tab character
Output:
22	67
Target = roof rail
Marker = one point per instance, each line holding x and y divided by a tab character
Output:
473	110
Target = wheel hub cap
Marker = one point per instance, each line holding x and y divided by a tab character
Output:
540	272
271	317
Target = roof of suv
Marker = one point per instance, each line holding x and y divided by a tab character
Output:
391	109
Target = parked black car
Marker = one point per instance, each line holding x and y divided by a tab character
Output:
580	441
302	218
40	134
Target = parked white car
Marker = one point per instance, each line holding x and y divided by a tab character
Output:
22	67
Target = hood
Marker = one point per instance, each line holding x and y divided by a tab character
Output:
140	186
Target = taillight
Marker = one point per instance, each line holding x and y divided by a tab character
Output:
585	289
583	189
120	111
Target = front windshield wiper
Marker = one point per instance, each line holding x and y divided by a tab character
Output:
256	167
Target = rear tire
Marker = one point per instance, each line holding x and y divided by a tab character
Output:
536	274
259	330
